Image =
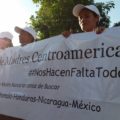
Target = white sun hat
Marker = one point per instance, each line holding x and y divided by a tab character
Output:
77	8
7	35
27	29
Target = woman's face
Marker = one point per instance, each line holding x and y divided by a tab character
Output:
25	38
5	43
87	20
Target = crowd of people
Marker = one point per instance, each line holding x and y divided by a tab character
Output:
26	35
88	18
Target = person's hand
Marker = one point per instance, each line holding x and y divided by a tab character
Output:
99	30
66	33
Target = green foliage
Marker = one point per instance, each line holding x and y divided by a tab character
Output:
36	1
116	24
55	16
104	10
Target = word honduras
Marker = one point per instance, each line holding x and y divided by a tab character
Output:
76	104
89	53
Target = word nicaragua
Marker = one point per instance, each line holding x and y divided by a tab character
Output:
76	104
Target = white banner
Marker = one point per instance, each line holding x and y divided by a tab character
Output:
77	78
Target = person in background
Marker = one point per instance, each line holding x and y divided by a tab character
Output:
88	18
26	35
6	40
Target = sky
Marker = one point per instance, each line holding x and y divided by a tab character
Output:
114	12
17	13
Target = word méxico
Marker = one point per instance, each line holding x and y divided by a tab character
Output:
86	53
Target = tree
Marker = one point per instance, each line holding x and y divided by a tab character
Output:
55	16
116	24
104	10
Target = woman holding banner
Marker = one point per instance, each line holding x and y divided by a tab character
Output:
88	17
